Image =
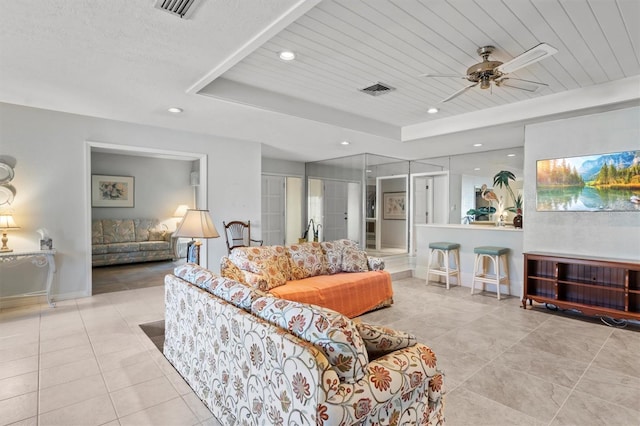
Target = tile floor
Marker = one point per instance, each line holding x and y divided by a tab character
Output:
87	362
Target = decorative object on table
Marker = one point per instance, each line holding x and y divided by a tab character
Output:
315	229
238	234
196	224
501	179
604	182
394	206
6	223
112	191
517	221
46	243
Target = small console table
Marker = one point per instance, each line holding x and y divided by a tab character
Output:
39	258
591	285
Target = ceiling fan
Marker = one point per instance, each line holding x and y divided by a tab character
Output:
487	71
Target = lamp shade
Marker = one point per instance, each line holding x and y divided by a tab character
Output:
196	224
7	222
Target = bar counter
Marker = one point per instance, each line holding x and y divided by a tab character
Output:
469	237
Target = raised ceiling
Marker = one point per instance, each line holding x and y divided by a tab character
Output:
128	61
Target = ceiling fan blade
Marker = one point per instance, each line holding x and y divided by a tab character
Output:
516	83
443	75
458	93
529	57
539	83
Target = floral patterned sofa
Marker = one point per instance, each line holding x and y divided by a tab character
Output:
117	241
255	359
334	274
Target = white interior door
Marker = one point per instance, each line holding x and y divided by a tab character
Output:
273	210
423	200
336	195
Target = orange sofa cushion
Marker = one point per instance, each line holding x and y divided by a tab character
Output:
351	294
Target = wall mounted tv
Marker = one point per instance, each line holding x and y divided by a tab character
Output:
603	182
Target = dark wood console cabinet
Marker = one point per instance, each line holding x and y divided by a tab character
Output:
591	285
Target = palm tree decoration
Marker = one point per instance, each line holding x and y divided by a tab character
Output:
501	179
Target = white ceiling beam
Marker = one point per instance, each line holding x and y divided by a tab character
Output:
601	95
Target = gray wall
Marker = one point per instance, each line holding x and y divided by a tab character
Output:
52	180
283	167
606	234
161	185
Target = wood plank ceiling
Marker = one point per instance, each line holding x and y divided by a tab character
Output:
346	45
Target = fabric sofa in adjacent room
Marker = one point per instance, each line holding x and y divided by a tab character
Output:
333	274
120	241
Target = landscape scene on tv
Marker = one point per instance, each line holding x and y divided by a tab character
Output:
606	182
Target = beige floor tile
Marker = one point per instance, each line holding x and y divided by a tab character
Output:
115	343
122	358
516	389
567	345
199	409
31	421
611	386
131	375
62	395
174	412
18	385
68	372
64	342
586	410
465	408
18	408
18	367
547	366
143	395
66	356
620	353
94	411
12	352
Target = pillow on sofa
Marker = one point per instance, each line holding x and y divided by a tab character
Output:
228	269
333	253
381	340
307	260
196	275
331	332
237	294
354	260
155	235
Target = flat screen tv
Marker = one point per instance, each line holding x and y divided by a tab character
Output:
603	182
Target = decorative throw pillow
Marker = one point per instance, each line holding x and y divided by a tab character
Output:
381	340
333	253
307	260
256	259
354	260
229	270
331	332
257	281
155	235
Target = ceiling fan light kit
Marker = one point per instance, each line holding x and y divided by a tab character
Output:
487	71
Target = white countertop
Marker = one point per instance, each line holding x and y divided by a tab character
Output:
491	227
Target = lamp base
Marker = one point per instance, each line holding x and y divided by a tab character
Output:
4	248
193	252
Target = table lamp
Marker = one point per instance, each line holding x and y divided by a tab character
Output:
6	223
196	224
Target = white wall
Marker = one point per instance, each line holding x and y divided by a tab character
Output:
52	182
393	232
283	167
605	234
161	185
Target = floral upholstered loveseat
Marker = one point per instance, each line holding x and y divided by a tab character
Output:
334	274
117	241
255	359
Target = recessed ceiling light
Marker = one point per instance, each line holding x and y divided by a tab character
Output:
476	169
175	110
477	144
287	55
368	171
344	143
511	155
432	110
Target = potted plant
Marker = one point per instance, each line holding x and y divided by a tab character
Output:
501	179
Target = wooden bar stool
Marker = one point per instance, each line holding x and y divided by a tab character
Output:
440	253
497	255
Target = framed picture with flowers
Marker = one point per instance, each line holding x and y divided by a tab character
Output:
112	191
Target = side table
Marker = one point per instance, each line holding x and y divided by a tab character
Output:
39	258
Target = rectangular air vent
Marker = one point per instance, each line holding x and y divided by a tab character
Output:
176	7
378	89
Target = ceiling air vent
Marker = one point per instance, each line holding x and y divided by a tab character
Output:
176	7
378	89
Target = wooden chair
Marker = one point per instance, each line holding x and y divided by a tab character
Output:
238	234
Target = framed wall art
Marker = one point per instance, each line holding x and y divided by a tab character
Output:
603	182
112	191
394	205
